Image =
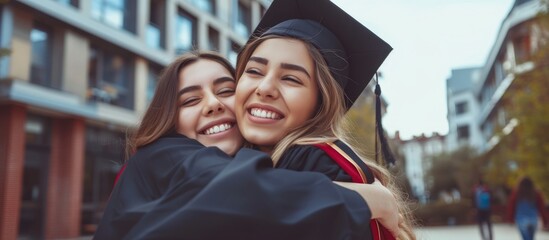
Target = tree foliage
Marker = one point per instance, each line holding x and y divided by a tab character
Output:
526	150
361	127
459	170
361	130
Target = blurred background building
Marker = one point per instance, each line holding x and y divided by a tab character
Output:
74	76
417	153
463	109
478	116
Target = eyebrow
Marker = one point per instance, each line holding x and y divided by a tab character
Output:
196	87
295	67
288	66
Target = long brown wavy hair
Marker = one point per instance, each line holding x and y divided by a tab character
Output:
526	189
328	123
161	115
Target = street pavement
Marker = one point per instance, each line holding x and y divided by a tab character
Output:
471	232
468	232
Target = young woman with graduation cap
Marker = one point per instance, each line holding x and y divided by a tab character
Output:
176	188
303	68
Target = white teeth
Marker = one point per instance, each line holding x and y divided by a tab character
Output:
218	128
262	113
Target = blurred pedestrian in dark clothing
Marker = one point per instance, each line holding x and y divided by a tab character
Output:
482	202
526	207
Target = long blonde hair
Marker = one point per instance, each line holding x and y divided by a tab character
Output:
328	124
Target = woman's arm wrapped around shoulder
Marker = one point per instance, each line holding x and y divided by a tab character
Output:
207	195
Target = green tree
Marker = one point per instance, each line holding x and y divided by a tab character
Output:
459	170
361	130
526	101
361	125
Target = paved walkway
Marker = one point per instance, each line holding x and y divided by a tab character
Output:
471	232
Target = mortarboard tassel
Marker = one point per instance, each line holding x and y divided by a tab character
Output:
385	149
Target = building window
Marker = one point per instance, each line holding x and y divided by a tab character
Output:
35	175
155	29
185	32
116	13
41	41
243	20
213	39
205	5
104	149
152	81
463	132
521	45
73	3
233	52
461	108
110	78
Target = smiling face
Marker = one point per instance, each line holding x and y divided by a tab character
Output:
206	106
277	91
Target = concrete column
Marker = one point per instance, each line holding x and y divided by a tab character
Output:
65	179
142	18
12	159
202	33
140	86
21	46
75	64
171	14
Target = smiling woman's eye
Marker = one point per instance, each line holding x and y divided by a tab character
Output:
253	71
190	101
292	79
227	91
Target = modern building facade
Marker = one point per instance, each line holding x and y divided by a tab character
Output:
463	109
77	75
517	39
418	153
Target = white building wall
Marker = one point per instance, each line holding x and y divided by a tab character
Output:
469	118
418	153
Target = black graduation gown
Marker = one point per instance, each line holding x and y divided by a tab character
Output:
310	158
175	188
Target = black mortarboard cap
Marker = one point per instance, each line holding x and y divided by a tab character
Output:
352	52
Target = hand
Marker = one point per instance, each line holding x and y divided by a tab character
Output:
382	203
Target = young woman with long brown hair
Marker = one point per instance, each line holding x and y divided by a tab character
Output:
297	76
526	207
180	182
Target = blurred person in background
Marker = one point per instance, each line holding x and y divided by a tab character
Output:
482	203
525	207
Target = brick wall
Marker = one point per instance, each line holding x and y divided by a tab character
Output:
12	158
65	179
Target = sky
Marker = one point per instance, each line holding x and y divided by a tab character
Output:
429	39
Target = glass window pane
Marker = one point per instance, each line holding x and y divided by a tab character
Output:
109	78
73	3
40	57
115	3
213	39
104	153
113	17
153	75
116	13
185	33
243	20
205	5
96	9
153	36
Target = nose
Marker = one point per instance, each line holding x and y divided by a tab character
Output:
267	88
213	105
